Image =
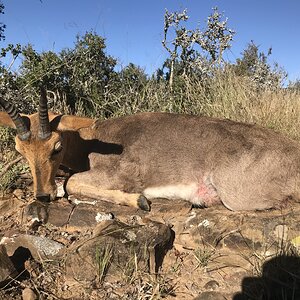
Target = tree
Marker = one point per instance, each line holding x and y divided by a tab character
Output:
217	36
88	69
173	20
74	77
2	26
132	77
211	42
254	64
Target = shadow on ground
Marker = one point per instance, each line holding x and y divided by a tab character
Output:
280	280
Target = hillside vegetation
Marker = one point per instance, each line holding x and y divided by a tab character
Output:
195	79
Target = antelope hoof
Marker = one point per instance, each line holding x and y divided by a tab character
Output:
143	203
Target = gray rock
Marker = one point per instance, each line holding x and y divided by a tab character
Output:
211	285
7	268
210	296
118	249
39	247
247	231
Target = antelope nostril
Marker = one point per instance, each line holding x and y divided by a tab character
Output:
43	197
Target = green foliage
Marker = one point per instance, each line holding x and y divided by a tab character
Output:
185	57
88	71
83	79
254	64
74	77
103	260
294	86
8	180
132	77
217	37
45	67
203	256
7	137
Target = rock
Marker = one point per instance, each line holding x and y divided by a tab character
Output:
117	250
29	294
87	212
7	268
18	193
84	214
39	247
247	231
211	285
210	296
87	216
9	205
162	210
167	211
60	187
59	212
56	213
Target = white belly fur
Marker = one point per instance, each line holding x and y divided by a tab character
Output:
178	191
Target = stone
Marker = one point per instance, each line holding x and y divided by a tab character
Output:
59	212
29	294
88	213
210	296
56	213
9	205
7	268
247	231
39	247
169	211
18	193
60	187
211	285
117	249
86	210
87	216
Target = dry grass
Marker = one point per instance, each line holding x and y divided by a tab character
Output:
225	95
238	99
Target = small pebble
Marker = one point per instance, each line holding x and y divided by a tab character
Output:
28	294
211	285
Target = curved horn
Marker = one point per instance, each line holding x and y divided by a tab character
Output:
44	130
22	129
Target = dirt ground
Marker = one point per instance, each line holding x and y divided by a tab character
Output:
63	250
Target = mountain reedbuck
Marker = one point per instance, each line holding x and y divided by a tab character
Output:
130	159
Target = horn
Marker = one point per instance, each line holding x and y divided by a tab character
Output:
44	130
22	129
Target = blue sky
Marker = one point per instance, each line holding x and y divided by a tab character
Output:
133	29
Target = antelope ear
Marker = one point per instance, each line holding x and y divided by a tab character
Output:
5	120
69	123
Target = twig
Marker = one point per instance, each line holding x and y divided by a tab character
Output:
9	165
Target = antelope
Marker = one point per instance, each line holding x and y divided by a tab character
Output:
132	159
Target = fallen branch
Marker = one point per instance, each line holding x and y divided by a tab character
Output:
7	166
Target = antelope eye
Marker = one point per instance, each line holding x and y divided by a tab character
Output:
57	148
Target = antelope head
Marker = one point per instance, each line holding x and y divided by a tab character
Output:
38	143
